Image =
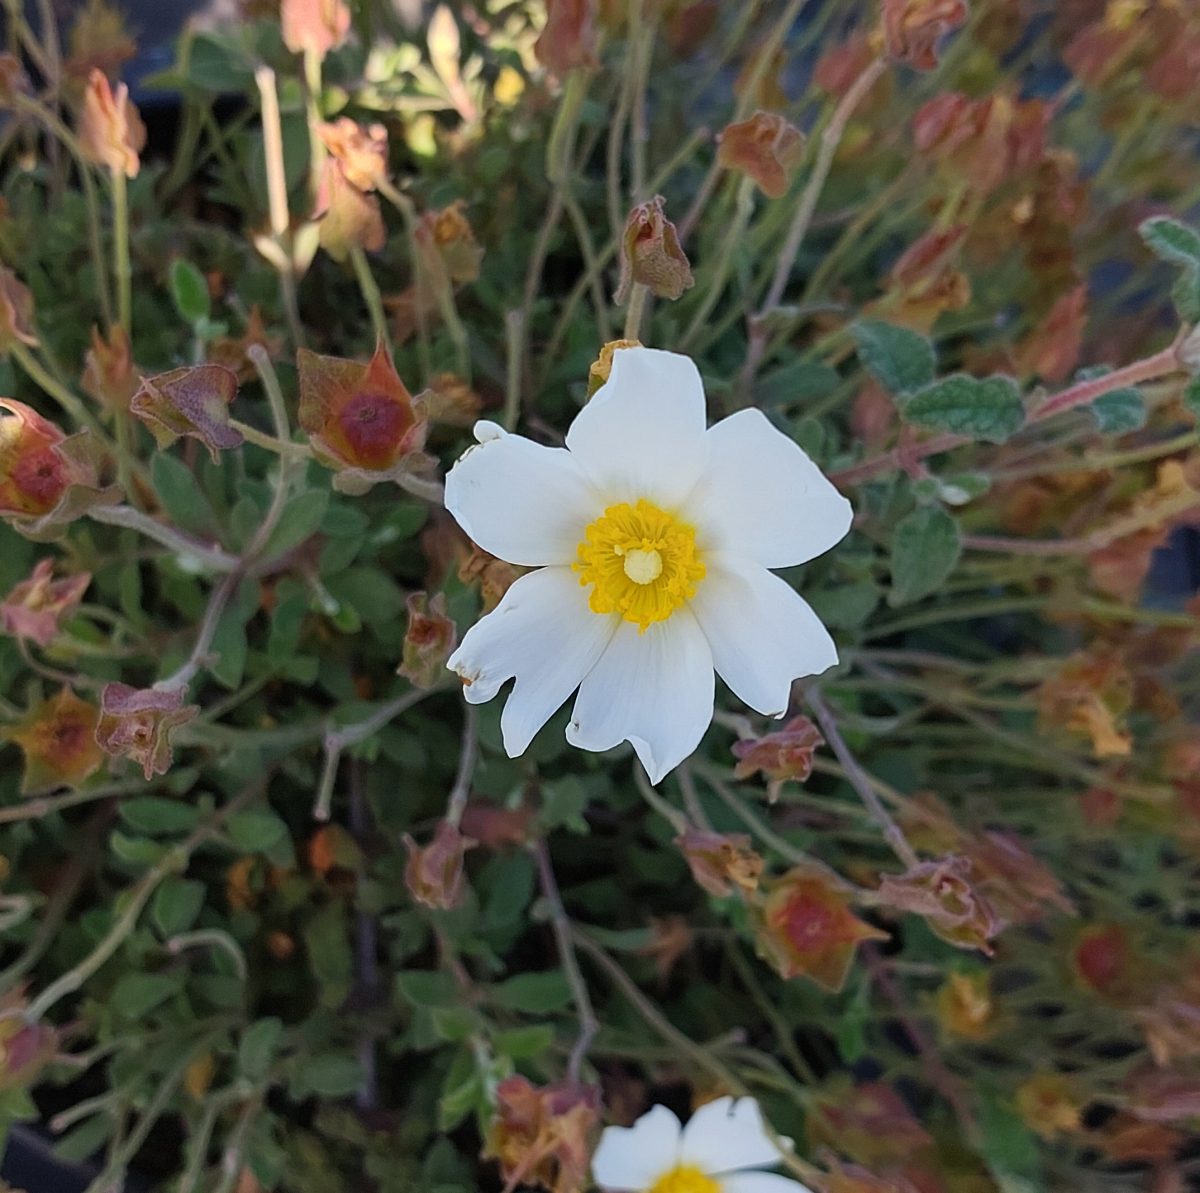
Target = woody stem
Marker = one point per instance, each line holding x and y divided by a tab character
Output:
589	1025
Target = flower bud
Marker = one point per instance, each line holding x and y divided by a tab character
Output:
57	738
913	28
451	401
25	1048
111	133
14	81
651	254
542	1135
766	148
139	724
429	640
808	930
37	607
192	401
721	861
315	26
434	873
1103	960
494	576
98	39
361	419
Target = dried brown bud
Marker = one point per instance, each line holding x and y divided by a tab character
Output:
139	724
651	254
37	607
721	862
766	148
109	374
785	754
111	132
939	892
913	28
16	313
568	39
193	401
428	641
447	244
434	873
348	217
361	151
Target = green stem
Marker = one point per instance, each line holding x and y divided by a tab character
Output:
743	210
369	289
122	265
638	295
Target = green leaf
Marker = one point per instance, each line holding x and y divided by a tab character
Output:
427	988
1171	240
900	360
88	1137
521	1043
1119	411
533	993
300	521
328	944
176	905
563	805
155	816
287	620
137	993
229	645
797	382
925	550
256	830
1009	1147
189	291
1179	244
258	1046
181	496
1191	398
989	409
329	1074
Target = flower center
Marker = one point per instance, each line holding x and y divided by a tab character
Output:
641	562
684	1179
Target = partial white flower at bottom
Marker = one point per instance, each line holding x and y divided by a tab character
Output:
653	537
723	1149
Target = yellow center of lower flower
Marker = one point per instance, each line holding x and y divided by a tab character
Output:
684	1179
641	563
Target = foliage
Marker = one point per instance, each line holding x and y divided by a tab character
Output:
279	917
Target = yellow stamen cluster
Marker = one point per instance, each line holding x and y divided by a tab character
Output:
641	563
685	1179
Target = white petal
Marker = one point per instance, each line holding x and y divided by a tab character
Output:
761	496
763	635
635	1157
725	1135
543	633
654	690
526	503
642	433
761	1182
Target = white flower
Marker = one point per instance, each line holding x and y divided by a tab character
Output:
723	1149
652	536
